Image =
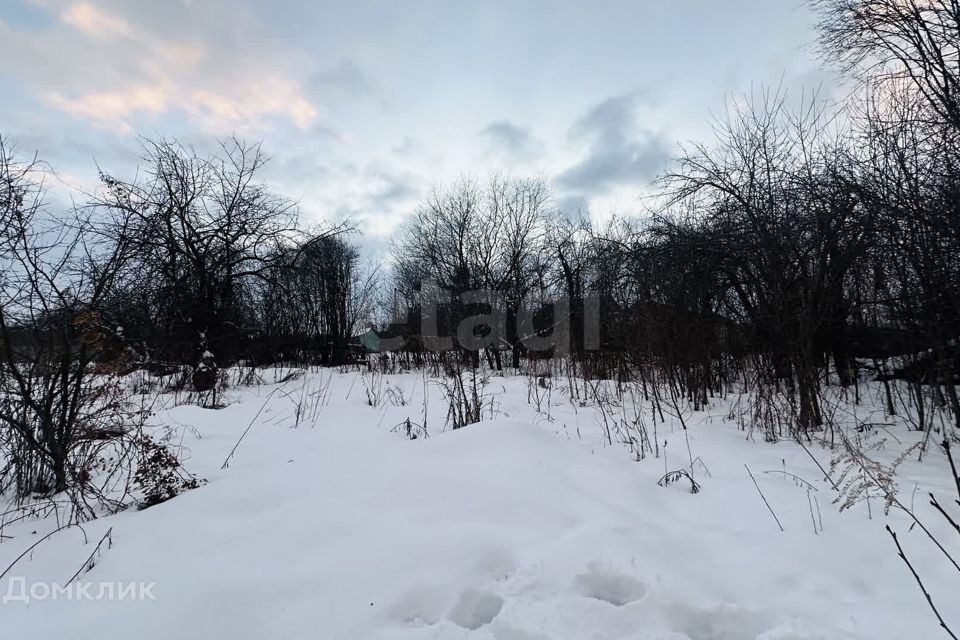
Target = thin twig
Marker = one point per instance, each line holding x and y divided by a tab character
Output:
826	476
226	463
34	546
920	582
953	466
787	474
88	563
812	518
764	497
936	505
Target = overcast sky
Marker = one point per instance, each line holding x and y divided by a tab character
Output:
364	104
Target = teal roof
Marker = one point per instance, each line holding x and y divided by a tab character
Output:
370	340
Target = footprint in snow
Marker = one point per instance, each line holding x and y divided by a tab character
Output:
475	609
603	583
422	605
509	633
725	622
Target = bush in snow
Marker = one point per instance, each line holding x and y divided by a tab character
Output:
159	475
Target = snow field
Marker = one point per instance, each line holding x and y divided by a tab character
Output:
515	528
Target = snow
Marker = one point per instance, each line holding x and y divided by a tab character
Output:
516	528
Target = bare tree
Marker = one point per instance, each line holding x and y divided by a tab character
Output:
472	238
899	44
52	334
208	232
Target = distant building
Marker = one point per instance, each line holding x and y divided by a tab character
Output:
370	340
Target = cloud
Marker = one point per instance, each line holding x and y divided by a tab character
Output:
249	107
391	191
376	197
406	147
618	150
343	80
515	140
244	109
379	198
573	205
113	108
126	68
96	22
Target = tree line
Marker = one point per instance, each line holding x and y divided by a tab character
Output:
805	243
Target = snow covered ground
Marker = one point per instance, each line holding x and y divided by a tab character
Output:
521	527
